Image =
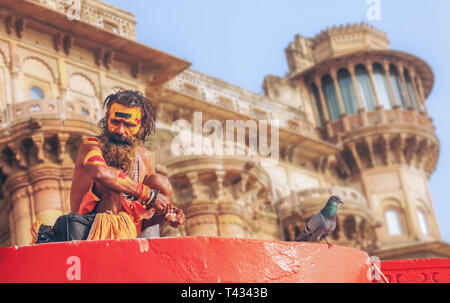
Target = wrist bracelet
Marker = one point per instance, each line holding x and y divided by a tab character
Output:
149	203
145	194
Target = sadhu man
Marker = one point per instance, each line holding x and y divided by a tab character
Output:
115	191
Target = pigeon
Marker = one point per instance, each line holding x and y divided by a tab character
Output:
321	224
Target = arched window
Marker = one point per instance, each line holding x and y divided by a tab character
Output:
330	96
381	86
316	96
36	93
347	92
393	222
364	87
398	86
422	222
412	96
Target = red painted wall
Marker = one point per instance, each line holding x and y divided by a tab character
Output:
185	259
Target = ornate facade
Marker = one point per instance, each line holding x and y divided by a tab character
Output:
352	122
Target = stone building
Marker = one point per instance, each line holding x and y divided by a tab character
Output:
352	121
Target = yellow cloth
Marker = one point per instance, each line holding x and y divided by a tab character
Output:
108	226
35	231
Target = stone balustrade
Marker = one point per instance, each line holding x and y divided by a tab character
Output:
95	13
394	116
253	105
313	199
25	110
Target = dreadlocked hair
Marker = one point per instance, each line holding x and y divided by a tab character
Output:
131	98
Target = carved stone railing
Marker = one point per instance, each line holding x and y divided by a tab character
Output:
96	13
355	222
313	199
25	110
378	117
233	98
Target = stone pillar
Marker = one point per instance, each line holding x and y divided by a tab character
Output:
361	110
391	89
222	198
372	84
14	70
401	70
379	107
415	90
327	122
202	217
22	211
344	117
338	91
424	103
322	99
15	84
47	196
351	69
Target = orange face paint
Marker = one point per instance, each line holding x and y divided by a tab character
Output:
94	157
124	120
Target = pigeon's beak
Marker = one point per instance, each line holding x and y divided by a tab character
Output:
340	202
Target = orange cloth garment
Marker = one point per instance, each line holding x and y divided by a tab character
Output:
89	202
108	226
137	212
134	209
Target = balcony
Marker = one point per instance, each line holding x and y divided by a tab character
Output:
312	200
95	13
388	118
240	101
48	108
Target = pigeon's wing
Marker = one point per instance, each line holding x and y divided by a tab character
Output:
332	227
329	227
312	227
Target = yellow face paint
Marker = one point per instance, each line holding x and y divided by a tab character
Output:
91	141
124	120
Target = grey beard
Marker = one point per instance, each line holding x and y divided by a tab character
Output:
117	154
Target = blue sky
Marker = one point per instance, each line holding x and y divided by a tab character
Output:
241	41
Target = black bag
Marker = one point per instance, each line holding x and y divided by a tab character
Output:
70	227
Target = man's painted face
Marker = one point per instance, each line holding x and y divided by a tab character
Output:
125	121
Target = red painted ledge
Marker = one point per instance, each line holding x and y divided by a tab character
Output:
184	259
417	271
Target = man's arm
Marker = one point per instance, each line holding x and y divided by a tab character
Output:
161	183
110	177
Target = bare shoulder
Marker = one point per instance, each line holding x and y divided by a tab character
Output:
147	158
90	141
87	144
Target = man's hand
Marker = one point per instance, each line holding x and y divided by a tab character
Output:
162	204
175	217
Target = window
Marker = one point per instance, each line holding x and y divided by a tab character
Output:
364	87
315	93
36	93
393	223
381	86
347	92
398	86
422	222
331	97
